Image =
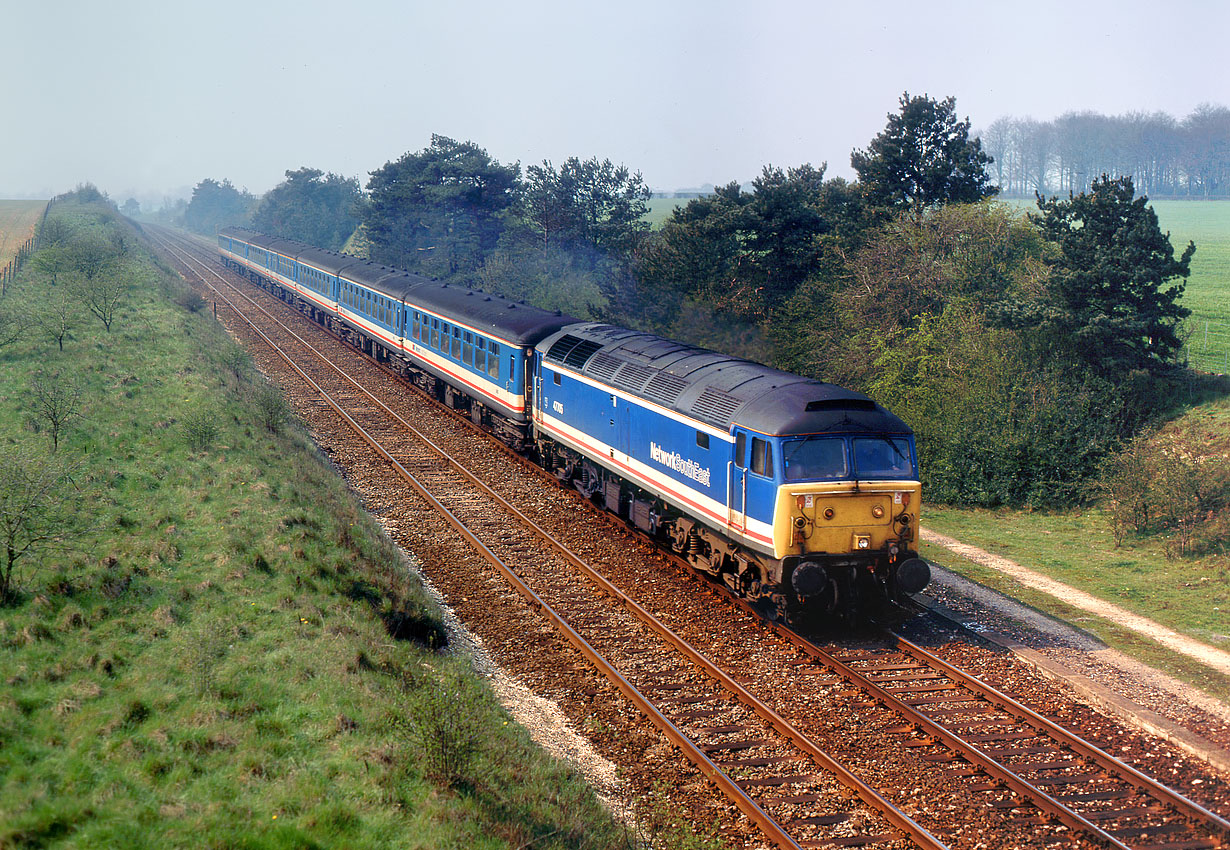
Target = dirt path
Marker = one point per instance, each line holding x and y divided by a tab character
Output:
1211	657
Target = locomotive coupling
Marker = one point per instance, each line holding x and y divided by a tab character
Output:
809	579
913	575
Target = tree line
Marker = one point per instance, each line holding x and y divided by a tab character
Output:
1164	156
1023	349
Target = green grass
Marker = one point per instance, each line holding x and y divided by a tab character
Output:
1189	595
1207	293
209	661
660	209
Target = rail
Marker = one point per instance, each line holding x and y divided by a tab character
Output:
694	752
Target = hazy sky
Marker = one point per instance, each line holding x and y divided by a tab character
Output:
148	97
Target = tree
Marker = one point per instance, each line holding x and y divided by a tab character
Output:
103	295
441	210
131	208
311	206
590	204
89	254
923	158
1111	301
35	509
59	314
1206	149
56	399
747	253
216	205
12	326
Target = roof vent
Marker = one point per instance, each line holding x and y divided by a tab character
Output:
841	404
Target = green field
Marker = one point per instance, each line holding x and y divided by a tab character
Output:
1207	295
17	220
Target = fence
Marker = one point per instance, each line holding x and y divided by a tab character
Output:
9	271
1208	348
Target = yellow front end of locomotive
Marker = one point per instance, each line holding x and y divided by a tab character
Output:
845	517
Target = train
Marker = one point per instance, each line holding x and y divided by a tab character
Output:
798	495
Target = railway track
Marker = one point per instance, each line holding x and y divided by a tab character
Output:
952	738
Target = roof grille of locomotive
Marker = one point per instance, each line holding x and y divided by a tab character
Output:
572	350
717	407
604	366
632	377
665	388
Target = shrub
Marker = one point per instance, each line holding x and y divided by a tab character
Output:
443	723
271	408
200	430
1166	486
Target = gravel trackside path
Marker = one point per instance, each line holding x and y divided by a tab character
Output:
1212	657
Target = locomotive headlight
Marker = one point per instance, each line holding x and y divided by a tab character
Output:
877	511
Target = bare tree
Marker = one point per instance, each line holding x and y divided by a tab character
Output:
57	401
35	510
103	294
12	328
59	314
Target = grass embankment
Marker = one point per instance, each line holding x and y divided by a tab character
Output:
226	651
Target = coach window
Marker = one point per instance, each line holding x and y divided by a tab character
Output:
467	349
762	457
435	333
702	439
493	360
456	343
741	451
414	325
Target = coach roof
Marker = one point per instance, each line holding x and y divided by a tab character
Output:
510	320
712	387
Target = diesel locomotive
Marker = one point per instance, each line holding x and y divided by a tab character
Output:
799	495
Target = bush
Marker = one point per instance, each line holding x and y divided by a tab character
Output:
271	407
1166	487
444	722
991	431
200	430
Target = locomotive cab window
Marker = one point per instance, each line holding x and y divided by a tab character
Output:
882	457
556	378
702	439
762	457
815	457
741	451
